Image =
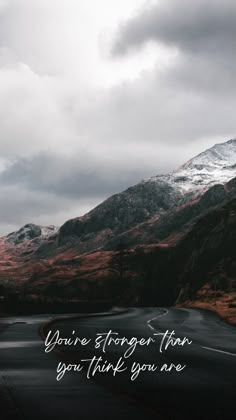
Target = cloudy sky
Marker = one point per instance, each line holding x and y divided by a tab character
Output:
98	94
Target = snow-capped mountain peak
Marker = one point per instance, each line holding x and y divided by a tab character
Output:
216	165
221	155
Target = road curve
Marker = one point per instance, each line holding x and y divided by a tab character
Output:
205	389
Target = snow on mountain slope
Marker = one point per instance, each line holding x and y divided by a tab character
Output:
48	230
216	165
30	231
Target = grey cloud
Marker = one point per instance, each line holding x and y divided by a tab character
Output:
48	188
19	205
73	178
199	26
194	97
117	135
164	113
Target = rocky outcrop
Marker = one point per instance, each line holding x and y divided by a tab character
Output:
28	232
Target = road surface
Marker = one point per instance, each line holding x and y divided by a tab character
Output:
205	389
29	390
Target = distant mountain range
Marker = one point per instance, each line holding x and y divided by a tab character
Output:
160	217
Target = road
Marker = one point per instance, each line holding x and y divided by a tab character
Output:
205	389
28	386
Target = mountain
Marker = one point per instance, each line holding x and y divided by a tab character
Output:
151	198
216	165
199	271
30	231
206	262
208	252
138	245
139	214
18	248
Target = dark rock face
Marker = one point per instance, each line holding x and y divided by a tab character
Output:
147	213
125	210
177	220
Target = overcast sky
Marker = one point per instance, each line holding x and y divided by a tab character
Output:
96	95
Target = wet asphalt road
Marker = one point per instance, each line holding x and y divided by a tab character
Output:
205	389
29	375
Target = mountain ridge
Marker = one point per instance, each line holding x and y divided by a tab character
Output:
183	184
153	196
153	217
